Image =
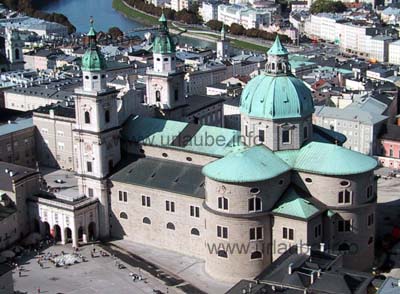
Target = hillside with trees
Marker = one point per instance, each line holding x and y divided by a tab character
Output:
28	7
320	6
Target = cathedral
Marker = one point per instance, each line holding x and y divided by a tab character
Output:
236	199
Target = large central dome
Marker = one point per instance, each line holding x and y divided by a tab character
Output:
276	93
276	97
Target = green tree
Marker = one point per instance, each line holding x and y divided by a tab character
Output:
115	33
320	6
237	29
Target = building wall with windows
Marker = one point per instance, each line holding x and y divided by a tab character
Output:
17	143
128	218
54	140
296	231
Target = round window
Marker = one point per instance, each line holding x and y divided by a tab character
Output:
308	180
345	183
164	155
254	190
188	158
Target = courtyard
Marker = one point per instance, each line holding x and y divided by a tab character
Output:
99	274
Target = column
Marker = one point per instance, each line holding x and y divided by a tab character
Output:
75	242
63	237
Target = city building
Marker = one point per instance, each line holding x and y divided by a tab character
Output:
13	47
394	52
248	17
180	181
361	126
176	186
17	185
301	270
209	11
17	142
54	124
34	25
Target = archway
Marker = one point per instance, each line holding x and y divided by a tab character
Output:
80	234
46	229
68	235
56	233
92	231
36	226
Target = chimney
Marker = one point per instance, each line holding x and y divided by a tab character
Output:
290	268
322	247
51	113
11	173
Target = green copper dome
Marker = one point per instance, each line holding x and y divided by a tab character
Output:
163	43
276	97
254	164
93	60
327	159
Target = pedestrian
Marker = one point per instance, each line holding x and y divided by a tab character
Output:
38	290
19	273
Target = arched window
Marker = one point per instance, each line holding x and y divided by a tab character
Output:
110	165
176	94
123	215
146	220
223	203
195	232
255	204
17	55
305	133
158	96
107	116
170	226
222	253
344	247
87	117
256	255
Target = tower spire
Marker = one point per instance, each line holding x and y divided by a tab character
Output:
278	59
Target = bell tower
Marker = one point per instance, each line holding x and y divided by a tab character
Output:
223	49
96	135
165	85
14	46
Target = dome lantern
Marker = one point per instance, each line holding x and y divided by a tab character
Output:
278	61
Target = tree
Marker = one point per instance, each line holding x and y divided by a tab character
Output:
115	33
330	6
215	25
237	29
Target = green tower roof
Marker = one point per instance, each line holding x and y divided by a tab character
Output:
327	159
254	164
277	48
163	43
93	60
276	97
292	204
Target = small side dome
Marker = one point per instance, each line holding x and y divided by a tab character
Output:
254	164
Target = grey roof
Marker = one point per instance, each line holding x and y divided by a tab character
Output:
333	278
390	286
6	211
59	110
349	113
16	126
19	173
164	175
197	103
